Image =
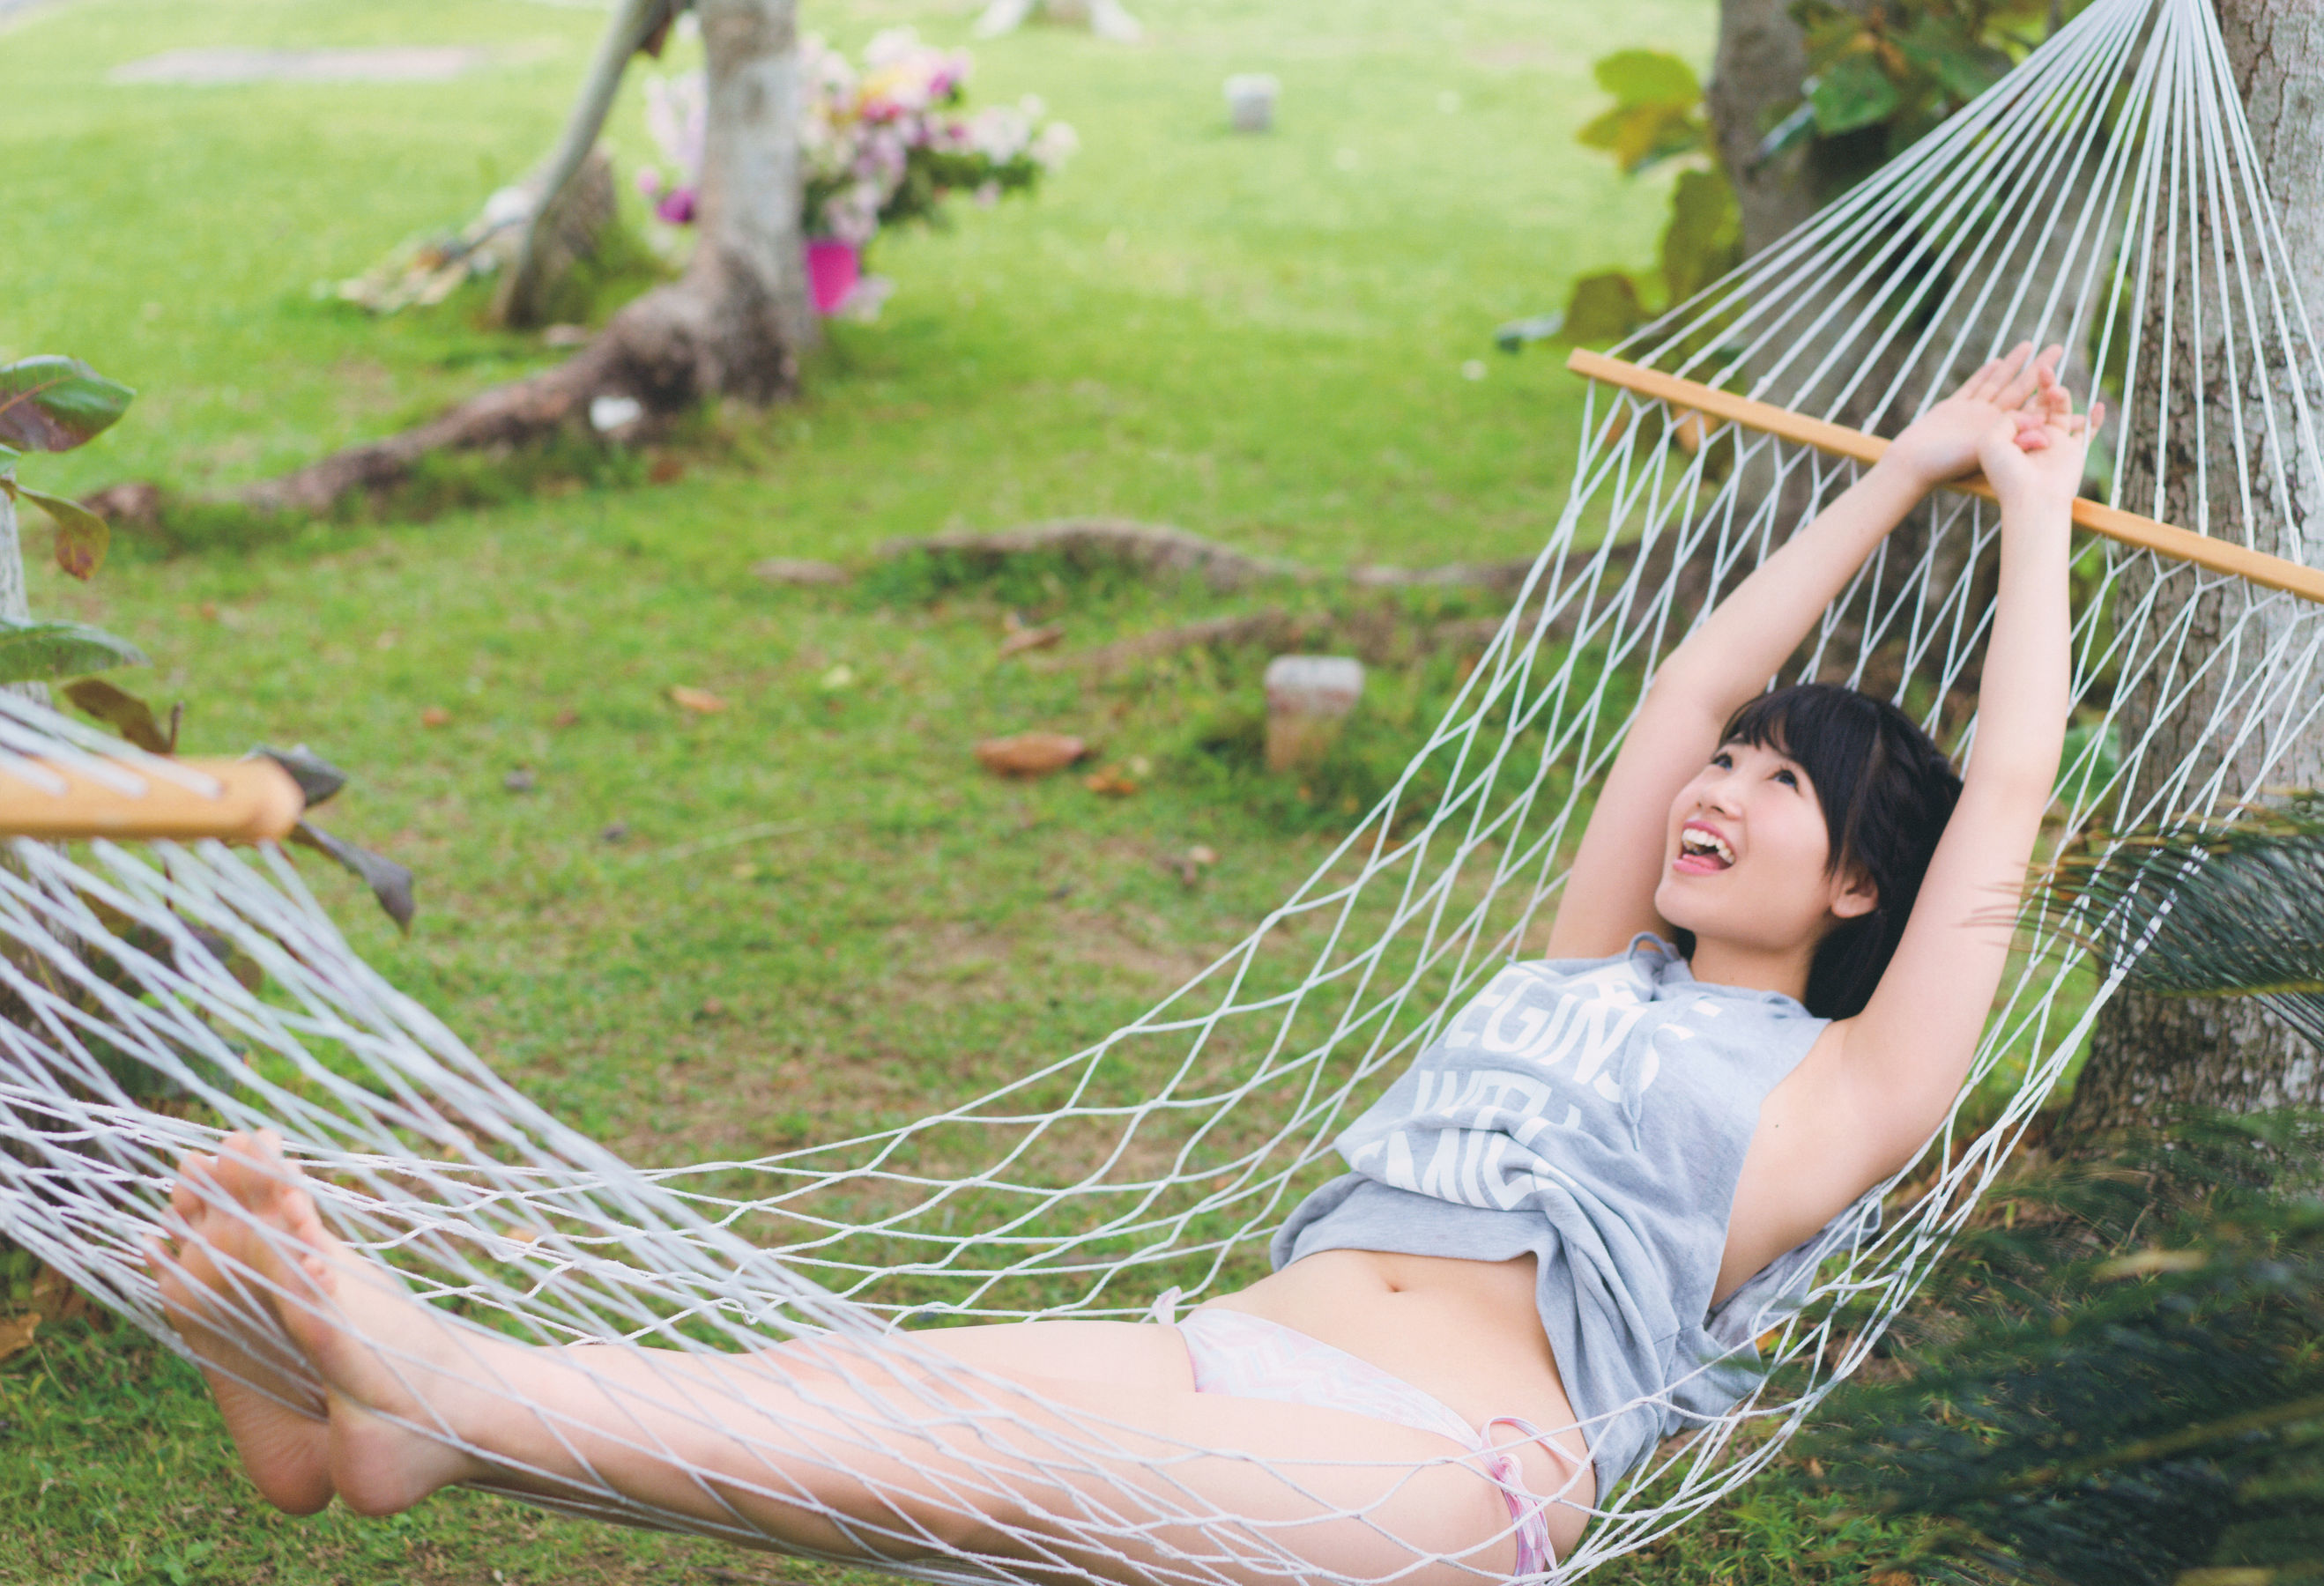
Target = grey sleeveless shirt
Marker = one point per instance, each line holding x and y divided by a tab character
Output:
1594	1112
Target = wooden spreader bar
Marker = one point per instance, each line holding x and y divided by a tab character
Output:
256	799
2127	528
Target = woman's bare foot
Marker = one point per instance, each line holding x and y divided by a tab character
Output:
275	1417
390	1365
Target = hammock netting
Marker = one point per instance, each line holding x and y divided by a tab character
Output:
2105	194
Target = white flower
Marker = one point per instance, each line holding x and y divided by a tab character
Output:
1057	144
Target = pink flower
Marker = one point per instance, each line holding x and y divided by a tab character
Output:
677	206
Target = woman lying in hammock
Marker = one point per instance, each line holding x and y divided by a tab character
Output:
1765	987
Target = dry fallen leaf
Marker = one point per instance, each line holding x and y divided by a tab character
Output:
1110	782
16	1333
435	715
1024	639
1030	754
700	701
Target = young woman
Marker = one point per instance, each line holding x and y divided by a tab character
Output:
1765	987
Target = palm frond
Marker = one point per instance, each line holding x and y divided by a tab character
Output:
2116	1381
2232	908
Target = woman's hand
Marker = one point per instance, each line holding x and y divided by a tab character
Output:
1944	443
2035	456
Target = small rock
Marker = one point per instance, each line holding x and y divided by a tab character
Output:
842	675
1251	101
619	832
1203	854
609	413
518	780
1308	697
798	570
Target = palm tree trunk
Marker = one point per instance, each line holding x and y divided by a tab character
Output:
2150	1051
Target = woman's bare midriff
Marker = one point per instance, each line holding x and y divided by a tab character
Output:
1466	1332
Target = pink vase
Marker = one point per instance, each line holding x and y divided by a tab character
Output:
833	270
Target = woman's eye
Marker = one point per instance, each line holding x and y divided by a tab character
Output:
1723	761
1787	778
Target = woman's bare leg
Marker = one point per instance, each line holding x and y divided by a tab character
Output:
848	1447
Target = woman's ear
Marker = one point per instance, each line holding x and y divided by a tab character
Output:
1858	896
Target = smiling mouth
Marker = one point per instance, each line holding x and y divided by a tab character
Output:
1708	848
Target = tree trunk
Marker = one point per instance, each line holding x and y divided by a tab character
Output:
2150	1052
733	326
518	302
1756	74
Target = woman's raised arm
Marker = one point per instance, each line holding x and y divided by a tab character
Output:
1610	891
1903	1058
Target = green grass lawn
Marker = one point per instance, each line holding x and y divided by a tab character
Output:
1262	340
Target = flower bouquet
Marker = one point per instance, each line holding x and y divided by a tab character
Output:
886	145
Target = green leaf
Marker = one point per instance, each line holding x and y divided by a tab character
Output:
1644	135
81	535
30	652
1855	92
1603	306
390	882
52	404
1958	63
1648	77
124	712
1704	239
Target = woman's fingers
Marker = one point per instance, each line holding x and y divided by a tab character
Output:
1987	382
2029	377
1974	388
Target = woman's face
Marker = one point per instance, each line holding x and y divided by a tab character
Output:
1744	862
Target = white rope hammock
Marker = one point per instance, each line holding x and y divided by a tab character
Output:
2105	194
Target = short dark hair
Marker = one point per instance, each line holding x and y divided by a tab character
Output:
1886	792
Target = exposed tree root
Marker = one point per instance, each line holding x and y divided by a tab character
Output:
667	351
1158	549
